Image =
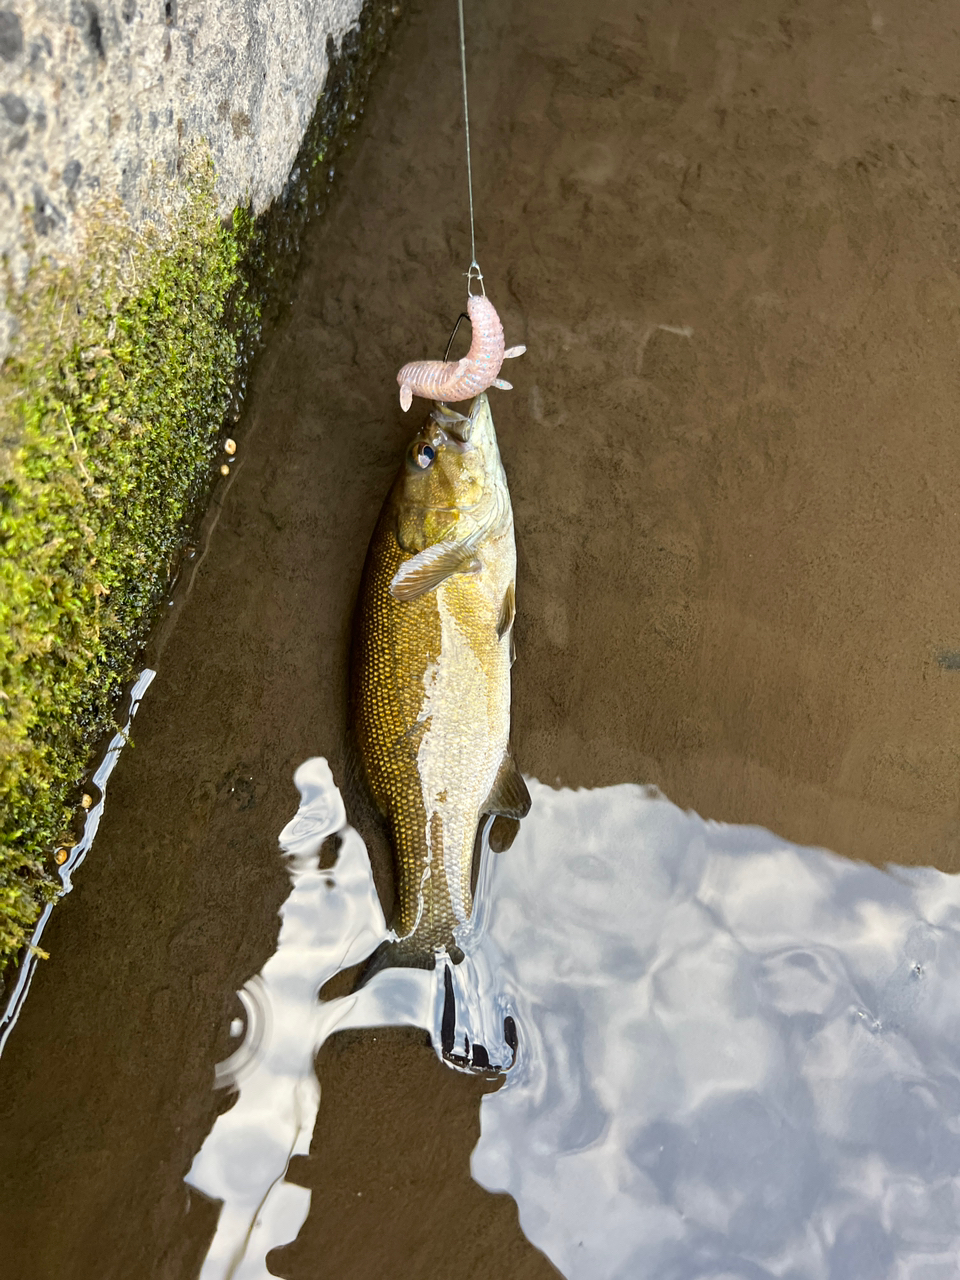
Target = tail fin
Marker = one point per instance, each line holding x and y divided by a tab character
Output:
475	1033
473	1029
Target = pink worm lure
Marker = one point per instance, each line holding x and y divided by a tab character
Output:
450	380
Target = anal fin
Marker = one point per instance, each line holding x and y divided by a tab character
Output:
509	796
503	832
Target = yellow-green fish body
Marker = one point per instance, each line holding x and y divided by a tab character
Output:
431	669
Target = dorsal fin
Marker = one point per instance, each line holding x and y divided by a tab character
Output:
428	568
509	795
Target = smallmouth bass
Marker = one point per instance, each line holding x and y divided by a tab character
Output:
430	679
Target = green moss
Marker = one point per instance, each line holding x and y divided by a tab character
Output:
110	407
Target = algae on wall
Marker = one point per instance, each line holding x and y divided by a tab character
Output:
110	404
112	401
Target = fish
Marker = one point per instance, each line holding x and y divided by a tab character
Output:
430	673
450	381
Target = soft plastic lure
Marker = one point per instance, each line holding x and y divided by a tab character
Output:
452	380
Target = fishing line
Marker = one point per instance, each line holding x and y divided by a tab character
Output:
474	272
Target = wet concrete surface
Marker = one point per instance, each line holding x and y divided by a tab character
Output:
728	234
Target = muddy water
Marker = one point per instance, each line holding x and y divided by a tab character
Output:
728	235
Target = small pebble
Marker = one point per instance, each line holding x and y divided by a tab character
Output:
230	446
61	856
86	800
224	470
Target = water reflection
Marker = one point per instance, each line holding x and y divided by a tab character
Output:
76	855
325	926
737	1057
330	922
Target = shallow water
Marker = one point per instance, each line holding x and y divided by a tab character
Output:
737	1056
331	921
20	986
741	1056
727	234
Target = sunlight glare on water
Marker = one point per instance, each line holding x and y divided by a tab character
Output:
331	921
738	1057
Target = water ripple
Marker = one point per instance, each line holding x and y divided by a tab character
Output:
739	1058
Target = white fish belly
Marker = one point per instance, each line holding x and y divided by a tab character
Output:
466	709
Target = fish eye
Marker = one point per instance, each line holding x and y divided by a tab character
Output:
424	454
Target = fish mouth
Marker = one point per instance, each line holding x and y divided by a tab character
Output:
457	425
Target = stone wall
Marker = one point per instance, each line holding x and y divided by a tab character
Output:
107	96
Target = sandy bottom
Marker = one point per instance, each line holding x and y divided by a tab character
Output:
729	236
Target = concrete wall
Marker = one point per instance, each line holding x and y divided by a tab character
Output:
107	96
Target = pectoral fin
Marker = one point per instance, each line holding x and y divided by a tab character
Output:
406	397
508	611
503	384
512	352
509	796
428	568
